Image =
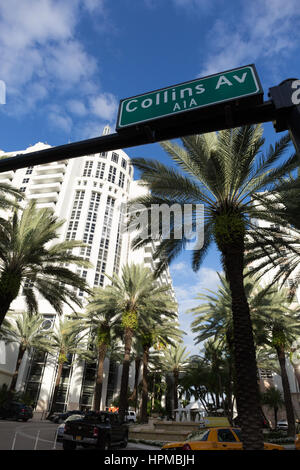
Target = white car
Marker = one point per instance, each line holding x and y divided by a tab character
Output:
283	424
130	416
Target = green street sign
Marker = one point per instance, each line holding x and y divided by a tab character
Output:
215	89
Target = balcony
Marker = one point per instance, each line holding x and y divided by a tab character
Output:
47	178
43	205
8	175
44	188
43	197
50	169
5	180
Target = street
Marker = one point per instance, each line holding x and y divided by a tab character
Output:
38	435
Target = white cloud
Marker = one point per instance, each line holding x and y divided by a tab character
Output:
94	5
257	31
77	107
70	64
59	119
90	129
104	106
187	285
41	58
188	4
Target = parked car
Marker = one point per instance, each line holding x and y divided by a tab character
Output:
61	427
61	417
97	429
283	424
130	417
219	438
16	410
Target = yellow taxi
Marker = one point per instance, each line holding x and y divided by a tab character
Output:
216	438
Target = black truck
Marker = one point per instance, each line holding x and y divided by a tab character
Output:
96	429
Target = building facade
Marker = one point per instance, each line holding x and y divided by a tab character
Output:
90	193
270	378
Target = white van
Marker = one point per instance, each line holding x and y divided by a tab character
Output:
130	416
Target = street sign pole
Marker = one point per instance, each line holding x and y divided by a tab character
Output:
286	99
222	101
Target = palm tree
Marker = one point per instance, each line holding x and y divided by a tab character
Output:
280	327
101	319
65	342
159	335
272	398
135	297
224	171
27	260
207	378
214	316
175	360
275	323
25	330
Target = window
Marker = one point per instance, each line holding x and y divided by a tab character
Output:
199	436
83	275
25	180
22	189
121	179
103	154
87	171
29	170
124	163
115	157
112	174
225	435
48	322
104	243
100	170
238	433
75	214
266	374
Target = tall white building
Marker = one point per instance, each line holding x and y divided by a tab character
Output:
269	378
89	193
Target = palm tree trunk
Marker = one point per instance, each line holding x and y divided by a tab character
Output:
297	373
275	415
102	349
9	288
21	353
57	382
125	373
144	417
247	393
176	375
290	416
134	395
169	394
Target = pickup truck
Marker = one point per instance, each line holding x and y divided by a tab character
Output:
96	429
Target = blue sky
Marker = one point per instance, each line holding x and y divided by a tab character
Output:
66	65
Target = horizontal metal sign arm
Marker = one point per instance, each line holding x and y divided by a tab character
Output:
141	135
